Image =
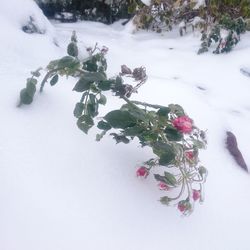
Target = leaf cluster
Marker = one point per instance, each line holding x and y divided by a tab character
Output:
151	124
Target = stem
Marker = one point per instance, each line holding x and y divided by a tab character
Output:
181	192
148	105
85	104
48	75
132	103
45	79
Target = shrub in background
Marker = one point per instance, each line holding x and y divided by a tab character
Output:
95	10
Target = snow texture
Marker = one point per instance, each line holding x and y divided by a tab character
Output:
146	2
61	190
200	3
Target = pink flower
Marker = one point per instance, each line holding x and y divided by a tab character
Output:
182	207
163	186
189	155
142	172
183	123
196	194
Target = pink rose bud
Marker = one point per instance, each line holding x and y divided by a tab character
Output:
182	207
189	155
183	123
196	194
163	186
104	49
142	172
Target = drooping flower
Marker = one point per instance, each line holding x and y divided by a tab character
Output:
181	207
189	155
142	172
184	206
183	123
163	186
196	194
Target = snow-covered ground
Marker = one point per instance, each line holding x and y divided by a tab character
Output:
61	190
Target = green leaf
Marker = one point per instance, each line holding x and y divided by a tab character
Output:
105	85
202	171
132	7
92	98
198	144
52	64
173	134
102	100
87	79
165	152
84	123
78	109
118	80
67	62
91	65
103	125
32	80
165	200
100	136
170	179
120	119
72	49
133	131
94	76
176	109
163	111
54	80
30	88
92	109
82	85
166	158
148	136
25	97
120	138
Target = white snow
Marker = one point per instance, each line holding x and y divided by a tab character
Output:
146	2
61	190
200	3
17	13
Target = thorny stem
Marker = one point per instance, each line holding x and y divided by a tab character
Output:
85	104
132	103
181	192
48	75
148	105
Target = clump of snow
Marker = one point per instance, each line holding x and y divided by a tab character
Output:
18	13
146	2
15	17
200	3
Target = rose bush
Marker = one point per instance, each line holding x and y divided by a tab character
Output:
167	130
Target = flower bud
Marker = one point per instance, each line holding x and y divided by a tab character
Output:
142	172
189	155
125	70
184	206
196	194
163	186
